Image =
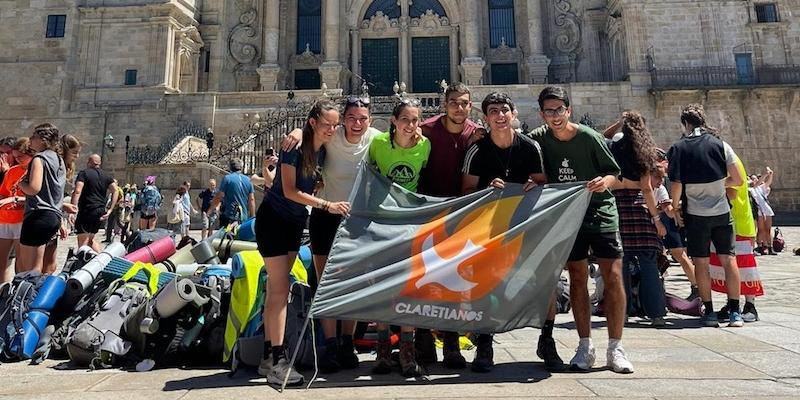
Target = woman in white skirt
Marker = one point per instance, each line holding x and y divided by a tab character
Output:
759	190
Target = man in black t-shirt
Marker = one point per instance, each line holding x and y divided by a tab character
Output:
502	156
92	186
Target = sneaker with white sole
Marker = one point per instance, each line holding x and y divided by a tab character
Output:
735	320
279	372
266	366
583	360
617	360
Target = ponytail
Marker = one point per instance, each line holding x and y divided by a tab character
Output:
68	143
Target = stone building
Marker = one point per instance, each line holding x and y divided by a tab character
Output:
140	71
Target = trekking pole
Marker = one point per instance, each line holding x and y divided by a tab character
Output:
297	350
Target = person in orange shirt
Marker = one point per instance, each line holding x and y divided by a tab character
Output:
12	206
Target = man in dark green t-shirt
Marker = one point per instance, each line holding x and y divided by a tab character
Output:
574	153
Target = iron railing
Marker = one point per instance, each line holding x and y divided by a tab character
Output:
722	76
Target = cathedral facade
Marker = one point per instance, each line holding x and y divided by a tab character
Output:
137	70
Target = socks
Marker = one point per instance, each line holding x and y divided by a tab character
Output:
277	354
614	343
406	336
733	305
267	349
709	306
383	335
585	342
547	329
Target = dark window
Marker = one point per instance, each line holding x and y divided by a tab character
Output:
309	25
505	74
56	25
501	23
419	7
130	77
430	61
207	66
766	12
390	8
307	79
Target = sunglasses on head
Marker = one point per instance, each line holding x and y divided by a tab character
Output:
408	101
355	100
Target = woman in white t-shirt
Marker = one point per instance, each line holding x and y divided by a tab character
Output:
759	190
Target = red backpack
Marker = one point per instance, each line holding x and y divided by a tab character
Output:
777	241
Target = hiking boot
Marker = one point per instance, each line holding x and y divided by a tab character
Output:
279	372
409	367
328	364
771	252
452	357
735	320
583	360
695	293
617	360
266	366
710	320
723	312
484	357
546	350
383	360
347	357
749	313
425	347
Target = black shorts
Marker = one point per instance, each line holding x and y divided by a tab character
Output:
88	221
146	217
676	237
276	235
322	227
603	245
702	231
39	227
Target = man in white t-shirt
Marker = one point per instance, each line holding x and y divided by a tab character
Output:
343	154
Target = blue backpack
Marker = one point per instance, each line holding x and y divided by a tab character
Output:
151	200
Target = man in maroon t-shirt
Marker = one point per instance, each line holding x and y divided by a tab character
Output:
450	134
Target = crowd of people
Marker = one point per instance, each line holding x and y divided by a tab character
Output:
694	202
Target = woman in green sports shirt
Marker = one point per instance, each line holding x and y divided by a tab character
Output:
400	155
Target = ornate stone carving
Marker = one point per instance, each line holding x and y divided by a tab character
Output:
503	53
306	59
243	39
430	22
379	22
565	40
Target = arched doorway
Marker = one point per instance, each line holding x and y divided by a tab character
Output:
406	41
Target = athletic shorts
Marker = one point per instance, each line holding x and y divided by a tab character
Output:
322	227
39	227
701	232
208	221
602	245
276	235
88	221
146	217
676	237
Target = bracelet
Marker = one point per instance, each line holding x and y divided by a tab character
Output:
327	205
321	204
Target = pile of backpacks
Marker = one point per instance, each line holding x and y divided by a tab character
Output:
152	302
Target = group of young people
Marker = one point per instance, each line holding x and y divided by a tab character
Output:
35	171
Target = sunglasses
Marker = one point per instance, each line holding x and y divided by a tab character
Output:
358	101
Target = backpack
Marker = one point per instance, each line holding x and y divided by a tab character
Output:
176	216
150	200
143	237
777	241
25	305
97	342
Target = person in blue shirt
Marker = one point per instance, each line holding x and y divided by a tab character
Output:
279	228
236	196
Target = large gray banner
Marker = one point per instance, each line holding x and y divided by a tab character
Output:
486	262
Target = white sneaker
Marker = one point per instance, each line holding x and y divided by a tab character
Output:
279	372
583	360
618	361
266	366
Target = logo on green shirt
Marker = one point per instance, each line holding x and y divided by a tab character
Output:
565	173
401	173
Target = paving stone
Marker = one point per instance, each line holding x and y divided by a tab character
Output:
779	364
724	388
49	383
116	395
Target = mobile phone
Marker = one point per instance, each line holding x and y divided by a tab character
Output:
270	152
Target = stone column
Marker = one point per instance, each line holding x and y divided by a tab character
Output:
454	44
269	71
405	51
355	56
472	64
331	69
537	62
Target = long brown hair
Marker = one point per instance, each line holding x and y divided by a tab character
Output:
68	143
637	136
308	164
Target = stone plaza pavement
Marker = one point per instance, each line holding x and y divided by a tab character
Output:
760	360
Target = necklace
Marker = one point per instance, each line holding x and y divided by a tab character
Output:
507	166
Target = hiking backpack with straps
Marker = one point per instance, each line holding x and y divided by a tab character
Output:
25	305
